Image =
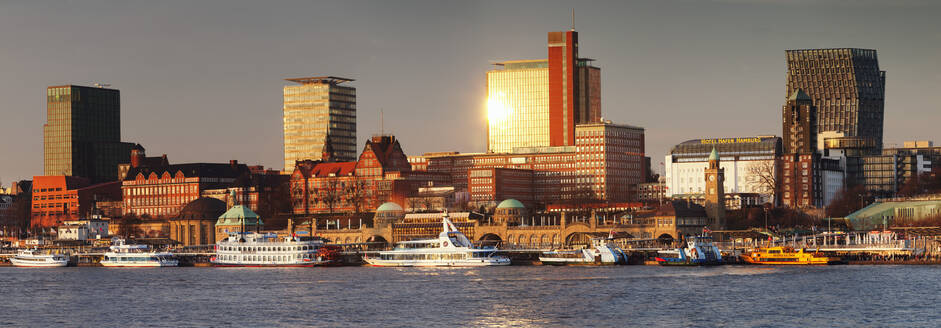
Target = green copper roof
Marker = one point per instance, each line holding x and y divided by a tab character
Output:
510	203
389	206
236	214
799	95
714	155
870	217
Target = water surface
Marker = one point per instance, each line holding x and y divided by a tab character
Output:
519	296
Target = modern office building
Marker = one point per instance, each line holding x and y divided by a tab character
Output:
537	103
82	134
846	87
317	111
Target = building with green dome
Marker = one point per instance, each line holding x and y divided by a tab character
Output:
239	218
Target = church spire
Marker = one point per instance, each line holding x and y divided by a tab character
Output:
327	154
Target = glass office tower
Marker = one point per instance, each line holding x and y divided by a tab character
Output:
82	134
315	111
537	103
518	105
847	88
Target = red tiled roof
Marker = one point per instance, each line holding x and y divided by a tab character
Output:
338	169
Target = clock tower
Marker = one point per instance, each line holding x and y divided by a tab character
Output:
715	191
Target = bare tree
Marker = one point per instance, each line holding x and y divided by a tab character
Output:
355	194
763	178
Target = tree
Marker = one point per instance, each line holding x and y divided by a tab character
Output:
330	194
129	226
355	193
763	178
911	187
847	200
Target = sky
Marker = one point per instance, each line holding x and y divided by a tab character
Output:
201	81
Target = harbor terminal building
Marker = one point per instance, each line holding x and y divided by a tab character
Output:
747	161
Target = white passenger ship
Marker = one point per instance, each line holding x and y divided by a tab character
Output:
33	258
252	249
603	251
451	248
128	256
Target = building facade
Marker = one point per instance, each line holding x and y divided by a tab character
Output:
749	165
800	124
64	198
160	192
381	174
845	85
810	180
537	103
317	112
606	163
82	134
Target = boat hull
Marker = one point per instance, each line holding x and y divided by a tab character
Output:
811	261
268	265
465	263
665	262
567	261
33	264
139	264
263	265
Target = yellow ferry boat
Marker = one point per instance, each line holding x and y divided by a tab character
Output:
787	255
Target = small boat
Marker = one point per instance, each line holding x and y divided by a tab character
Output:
33	258
603	251
787	256
124	255
699	250
252	249
450	249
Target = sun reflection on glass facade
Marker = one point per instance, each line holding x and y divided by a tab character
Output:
518	105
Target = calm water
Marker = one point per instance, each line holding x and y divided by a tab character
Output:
730	296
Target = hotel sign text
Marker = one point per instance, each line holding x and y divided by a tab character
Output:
729	141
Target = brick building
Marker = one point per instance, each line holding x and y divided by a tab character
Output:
809	180
606	163
65	198
382	173
162	191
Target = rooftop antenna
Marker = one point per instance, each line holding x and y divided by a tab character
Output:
573	19
382	123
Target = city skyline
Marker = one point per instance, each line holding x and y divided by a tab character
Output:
650	77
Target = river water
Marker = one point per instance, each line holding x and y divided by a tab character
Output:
518	296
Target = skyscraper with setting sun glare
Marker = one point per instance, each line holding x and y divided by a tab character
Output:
536	103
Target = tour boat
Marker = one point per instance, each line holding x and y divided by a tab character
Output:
602	252
450	249
33	258
133	256
252	249
787	255
698	251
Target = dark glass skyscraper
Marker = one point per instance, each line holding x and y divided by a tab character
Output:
846	87
82	134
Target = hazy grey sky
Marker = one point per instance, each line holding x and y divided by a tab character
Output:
202	80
